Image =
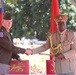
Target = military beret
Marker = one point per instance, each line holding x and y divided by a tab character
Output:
60	17
7	16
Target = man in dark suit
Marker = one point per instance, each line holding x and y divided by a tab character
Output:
7	49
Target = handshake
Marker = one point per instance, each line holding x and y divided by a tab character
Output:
28	51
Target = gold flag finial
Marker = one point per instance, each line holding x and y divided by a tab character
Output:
0	3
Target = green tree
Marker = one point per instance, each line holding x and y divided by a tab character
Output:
32	17
67	8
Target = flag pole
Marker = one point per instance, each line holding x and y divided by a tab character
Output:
54	11
1	11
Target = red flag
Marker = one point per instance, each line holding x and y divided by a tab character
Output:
54	11
1	10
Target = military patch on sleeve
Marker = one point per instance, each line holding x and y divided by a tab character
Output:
1	34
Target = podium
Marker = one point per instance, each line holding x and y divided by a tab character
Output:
19	67
50	70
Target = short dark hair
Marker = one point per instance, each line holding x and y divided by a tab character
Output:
7	16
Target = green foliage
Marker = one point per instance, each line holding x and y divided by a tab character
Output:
11	1
30	16
70	10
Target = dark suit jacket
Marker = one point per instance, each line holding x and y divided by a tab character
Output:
7	49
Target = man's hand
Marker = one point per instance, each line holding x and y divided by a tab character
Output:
60	56
28	51
19	59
